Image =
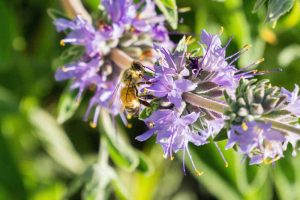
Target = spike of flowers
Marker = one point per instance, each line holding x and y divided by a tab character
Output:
187	97
131	28
188	104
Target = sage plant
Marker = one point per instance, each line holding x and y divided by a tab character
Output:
121	26
197	97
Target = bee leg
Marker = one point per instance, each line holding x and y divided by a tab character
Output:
146	96
145	103
144	83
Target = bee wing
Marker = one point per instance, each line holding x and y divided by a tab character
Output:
116	90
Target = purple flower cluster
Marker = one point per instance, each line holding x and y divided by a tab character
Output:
293	101
176	120
258	141
124	25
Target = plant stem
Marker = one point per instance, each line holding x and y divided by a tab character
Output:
121	59
75	7
203	102
218	107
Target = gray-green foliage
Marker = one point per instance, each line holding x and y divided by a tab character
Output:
276	8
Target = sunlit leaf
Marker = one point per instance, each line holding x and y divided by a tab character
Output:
288	55
169	9
103	178
277	8
8	103
120	150
55	140
67	105
12	186
54	14
258	5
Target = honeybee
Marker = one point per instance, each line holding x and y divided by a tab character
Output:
129	92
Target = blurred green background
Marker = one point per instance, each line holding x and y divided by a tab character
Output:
41	159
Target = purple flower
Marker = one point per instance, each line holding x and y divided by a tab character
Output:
123	22
84	74
293	100
169	80
172	131
120	11
102	100
172	89
257	140
215	60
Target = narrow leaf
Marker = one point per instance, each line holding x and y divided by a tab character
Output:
169	9
276	8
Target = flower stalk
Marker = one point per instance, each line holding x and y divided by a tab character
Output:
75	7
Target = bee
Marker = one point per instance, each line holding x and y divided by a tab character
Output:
129	93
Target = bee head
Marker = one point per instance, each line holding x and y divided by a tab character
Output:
137	66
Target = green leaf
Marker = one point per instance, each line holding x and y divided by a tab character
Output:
8	103
182	45
222	135
72	53
169	9
55	14
258	5
55	140
12	186
120	151
276	8
147	112
102	179
145	166
289	54
67	106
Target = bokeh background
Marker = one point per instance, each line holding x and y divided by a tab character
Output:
43	159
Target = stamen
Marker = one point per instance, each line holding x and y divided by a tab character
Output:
221	31
129	116
198	173
189	40
183	161
244	126
123	118
251	65
221	154
93	125
62	43
129	125
238	54
184	9
268	161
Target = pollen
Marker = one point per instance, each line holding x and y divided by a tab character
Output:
93	125
221	30
62	43
151	124
144	90
259	61
129	125
64	69
199	173
244	126
226	164
247	46
268	161
172	158
129	116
